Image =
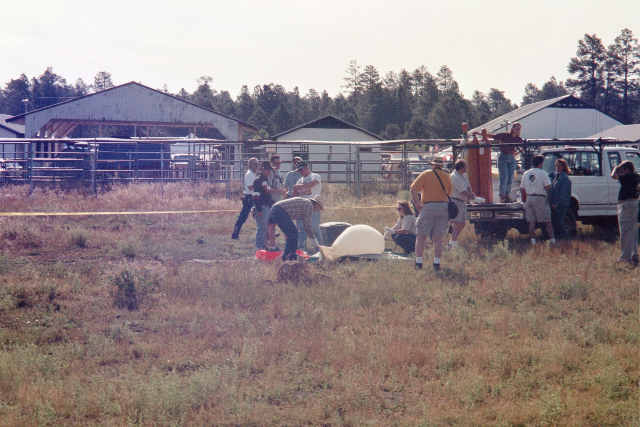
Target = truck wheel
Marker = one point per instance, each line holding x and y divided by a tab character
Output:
490	231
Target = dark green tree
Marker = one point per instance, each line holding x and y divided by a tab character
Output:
445	117
244	104
102	81
14	95
588	67
624	61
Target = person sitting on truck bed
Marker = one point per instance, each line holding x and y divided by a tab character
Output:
628	210
507	159
534	187
560	197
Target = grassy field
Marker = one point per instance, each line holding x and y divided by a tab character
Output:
164	320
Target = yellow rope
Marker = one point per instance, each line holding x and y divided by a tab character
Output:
29	214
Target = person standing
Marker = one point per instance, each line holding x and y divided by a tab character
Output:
283	213
247	196
262	202
507	159
310	187
628	210
534	187
429	193
461	194
275	180
293	176
403	233
560	198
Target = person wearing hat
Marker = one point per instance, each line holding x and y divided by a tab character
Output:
262	201
308	186
292	177
283	213
430	194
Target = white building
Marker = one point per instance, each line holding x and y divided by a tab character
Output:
562	117
326	140
621	133
9	131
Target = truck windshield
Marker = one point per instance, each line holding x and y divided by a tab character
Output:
581	163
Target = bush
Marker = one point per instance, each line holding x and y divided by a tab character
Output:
79	239
125	295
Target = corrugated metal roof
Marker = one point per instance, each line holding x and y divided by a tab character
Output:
622	133
16	128
20	116
324	122
500	123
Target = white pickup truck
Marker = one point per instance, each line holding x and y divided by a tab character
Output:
593	199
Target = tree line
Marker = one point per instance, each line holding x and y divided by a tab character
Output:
412	104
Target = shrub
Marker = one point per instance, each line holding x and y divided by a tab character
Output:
129	251
79	239
125	295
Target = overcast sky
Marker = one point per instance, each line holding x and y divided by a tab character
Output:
487	44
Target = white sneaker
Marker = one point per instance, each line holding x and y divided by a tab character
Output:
452	244
533	241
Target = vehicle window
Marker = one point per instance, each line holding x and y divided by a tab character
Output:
586	164
635	158
614	160
571	157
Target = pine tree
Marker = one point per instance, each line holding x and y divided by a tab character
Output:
588	66
624	57
14	95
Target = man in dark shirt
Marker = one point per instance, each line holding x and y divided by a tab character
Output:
507	159
262	201
628	210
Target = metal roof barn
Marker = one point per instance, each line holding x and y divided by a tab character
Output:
130	104
562	117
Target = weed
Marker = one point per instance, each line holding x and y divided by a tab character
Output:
129	251
125	295
79	239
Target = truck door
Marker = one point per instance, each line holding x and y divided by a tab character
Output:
589	185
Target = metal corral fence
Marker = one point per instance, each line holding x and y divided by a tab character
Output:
97	163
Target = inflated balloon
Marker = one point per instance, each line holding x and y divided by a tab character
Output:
356	240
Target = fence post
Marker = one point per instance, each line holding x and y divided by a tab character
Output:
92	165
358	169
30	167
229	168
405	167
347	168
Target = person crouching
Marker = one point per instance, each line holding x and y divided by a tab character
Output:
283	213
403	233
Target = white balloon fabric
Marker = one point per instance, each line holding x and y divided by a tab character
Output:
356	240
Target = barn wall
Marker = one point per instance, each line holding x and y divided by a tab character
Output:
566	123
131	103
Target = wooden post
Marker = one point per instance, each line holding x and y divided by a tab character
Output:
30	168
92	164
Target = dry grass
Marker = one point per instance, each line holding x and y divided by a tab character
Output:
506	335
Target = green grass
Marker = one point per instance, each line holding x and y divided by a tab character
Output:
506	335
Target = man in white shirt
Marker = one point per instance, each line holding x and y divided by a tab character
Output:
247	196
309	186
275	180
461	193
534	187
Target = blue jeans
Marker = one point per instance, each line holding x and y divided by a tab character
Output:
506	168
247	203
280	217
262	219
557	221
302	235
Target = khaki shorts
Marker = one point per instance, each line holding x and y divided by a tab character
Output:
462	211
433	220
536	210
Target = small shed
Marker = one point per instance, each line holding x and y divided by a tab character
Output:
9	131
313	142
621	133
562	117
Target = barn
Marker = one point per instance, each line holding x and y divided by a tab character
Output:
133	105
562	117
313	142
